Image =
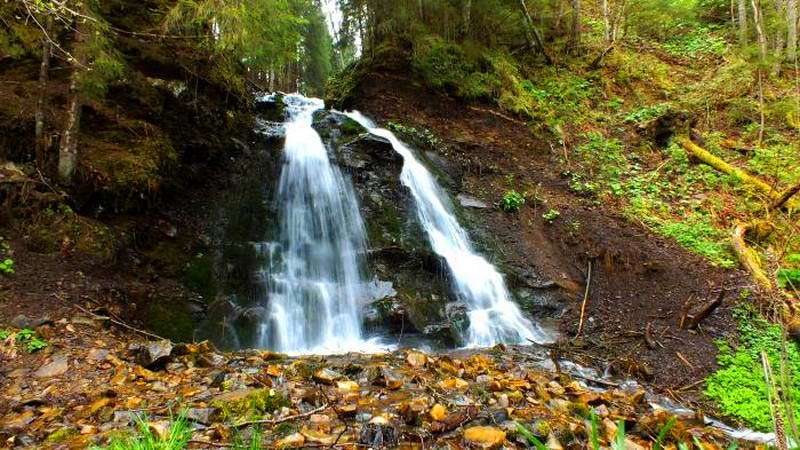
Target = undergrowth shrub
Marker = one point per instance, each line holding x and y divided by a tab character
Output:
738	387
512	201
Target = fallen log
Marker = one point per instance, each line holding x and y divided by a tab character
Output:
748	258
718	163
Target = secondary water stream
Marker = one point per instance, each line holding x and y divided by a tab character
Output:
493	316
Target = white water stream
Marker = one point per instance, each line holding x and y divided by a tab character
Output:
316	286
493	316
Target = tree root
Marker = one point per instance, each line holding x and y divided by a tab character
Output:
705	156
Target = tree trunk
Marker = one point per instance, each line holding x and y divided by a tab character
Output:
467	18
780	9
44	72
576	25
68	152
606	22
742	22
791	35
759	22
534	38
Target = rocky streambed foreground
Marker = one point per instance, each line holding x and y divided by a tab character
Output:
93	382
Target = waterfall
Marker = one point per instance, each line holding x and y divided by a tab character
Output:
316	286
493	316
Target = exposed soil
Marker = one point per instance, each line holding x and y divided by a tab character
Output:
637	278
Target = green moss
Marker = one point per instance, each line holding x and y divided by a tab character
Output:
738	387
170	318
199	276
59	228
61	435
251	404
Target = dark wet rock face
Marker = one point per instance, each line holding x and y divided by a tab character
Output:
399	251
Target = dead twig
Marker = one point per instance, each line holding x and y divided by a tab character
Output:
115	321
585	299
282	419
684	360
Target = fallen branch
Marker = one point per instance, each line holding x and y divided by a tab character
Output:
498	114
585	299
748	258
282	419
684	360
706	157
595	64
116	322
694	318
785	196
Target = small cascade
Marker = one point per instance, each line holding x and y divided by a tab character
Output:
314	274
493	316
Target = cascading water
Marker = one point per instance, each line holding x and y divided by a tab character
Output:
316	286
493	316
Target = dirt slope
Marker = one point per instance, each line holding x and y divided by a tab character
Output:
637	278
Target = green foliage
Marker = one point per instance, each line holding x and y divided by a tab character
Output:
696	42
7	266
664	432
512	201
260	35
176	438
551	215
777	161
789	278
26	338
738	387
530	437
317	51
594	431
696	233
647	113
619	437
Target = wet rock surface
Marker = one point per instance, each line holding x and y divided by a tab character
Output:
459	399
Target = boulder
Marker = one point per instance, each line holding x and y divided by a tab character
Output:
151	354
57	366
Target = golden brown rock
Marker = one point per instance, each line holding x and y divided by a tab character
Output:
438	412
295	440
484	437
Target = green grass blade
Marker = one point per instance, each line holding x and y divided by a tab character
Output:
530	437
662	434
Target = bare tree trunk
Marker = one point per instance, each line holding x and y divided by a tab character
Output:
44	73
68	152
791	35
575	39
68	149
534	38
467	18
780	9
742	22
759	21
606	22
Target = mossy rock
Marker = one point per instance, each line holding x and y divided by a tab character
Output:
170	317
61	229
247	404
62	435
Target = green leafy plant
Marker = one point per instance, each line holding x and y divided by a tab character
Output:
663	432
619	437
512	201
647	113
738	387
29	340
594	431
788	278
530	437
4	334
551	215
7	266
176	438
